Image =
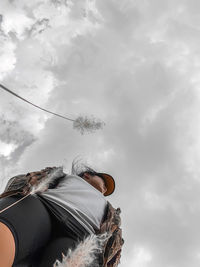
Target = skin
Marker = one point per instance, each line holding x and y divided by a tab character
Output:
7	246
95	181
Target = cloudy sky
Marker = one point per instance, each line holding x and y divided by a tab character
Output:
133	64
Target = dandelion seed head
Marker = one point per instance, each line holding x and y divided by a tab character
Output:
86	124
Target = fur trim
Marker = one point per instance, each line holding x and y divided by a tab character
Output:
44	184
85	254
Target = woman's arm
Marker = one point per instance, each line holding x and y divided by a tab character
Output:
7	246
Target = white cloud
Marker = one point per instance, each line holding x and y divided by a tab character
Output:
153	201
139	257
7	57
16	21
6	149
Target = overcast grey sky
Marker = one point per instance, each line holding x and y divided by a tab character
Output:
134	64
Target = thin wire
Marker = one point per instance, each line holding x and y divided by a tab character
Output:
14	203
11	92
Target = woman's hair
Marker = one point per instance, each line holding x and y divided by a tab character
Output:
79	168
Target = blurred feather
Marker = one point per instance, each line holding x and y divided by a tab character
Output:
44	184
85	253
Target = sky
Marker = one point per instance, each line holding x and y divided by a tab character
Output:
133	64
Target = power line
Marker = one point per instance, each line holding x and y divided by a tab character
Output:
13	93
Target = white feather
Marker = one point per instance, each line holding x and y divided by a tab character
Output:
85	253
44	184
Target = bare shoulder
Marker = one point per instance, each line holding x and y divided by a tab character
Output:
7	246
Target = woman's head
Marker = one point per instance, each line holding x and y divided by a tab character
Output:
101	181
95	181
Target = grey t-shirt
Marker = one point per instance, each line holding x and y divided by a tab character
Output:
83	201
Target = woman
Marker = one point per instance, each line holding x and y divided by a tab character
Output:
36	230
